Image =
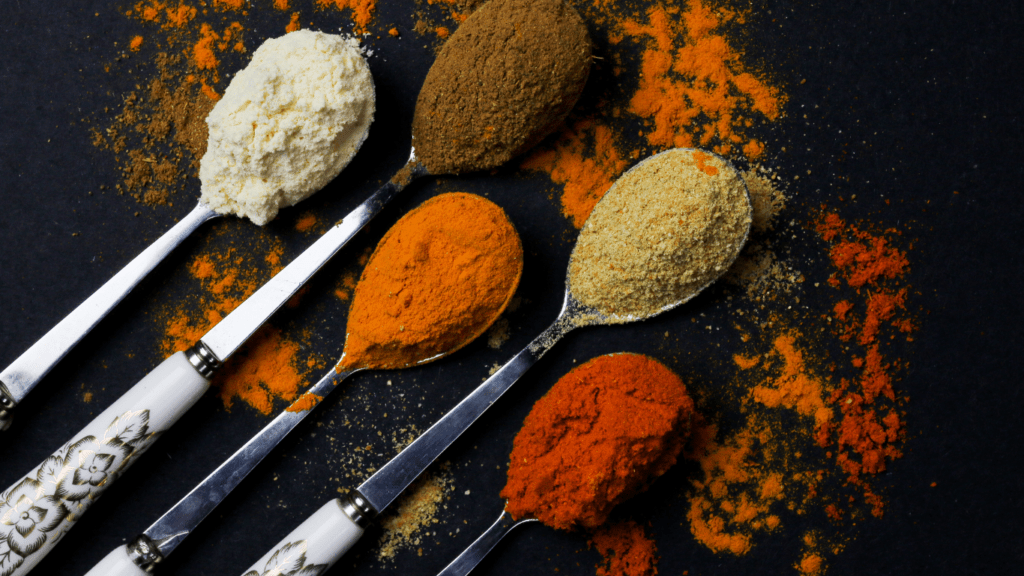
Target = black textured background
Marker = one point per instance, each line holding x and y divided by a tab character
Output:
908	101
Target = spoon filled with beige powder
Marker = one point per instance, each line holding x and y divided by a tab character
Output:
287	124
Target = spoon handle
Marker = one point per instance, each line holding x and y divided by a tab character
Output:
45	504
314	546
386	484
476	552
24	373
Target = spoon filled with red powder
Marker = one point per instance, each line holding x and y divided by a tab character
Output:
603	433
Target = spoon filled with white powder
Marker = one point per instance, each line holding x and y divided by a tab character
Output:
286	126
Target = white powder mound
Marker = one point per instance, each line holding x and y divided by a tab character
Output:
287	124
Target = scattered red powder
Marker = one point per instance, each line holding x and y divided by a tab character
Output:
626	550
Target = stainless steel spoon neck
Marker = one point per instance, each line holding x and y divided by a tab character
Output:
480	547
385	485
203	360
358	509
144	553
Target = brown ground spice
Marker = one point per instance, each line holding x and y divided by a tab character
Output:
502	82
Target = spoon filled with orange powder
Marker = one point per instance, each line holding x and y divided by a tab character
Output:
603	433
436	281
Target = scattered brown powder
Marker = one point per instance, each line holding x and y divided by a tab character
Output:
498	334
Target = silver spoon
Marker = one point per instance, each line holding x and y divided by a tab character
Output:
332	530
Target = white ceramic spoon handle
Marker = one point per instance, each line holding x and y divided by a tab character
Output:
24	373
42	506
117	563
314	546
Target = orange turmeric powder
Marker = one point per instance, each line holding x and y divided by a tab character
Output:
362	10
438	278
585	161
601	434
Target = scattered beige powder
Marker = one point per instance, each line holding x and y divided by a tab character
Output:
416	512
766	199
498	334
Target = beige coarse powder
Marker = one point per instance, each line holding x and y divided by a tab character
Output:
665	230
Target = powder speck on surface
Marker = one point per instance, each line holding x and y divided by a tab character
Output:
287	124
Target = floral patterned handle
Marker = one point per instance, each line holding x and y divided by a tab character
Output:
40	508
313	547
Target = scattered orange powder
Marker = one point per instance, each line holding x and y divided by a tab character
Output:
226	280
701	159
281	5
306	402
442	32
393	32
693	86
135	44
208	90
733	500
362	10
264	369
811	565
746	363
306	222
230	4
796	388
585	161
173	17
202	52
293	24
625	549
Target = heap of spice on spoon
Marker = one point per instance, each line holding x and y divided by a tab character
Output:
437	280
603	433
287	125
548	57
694	211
